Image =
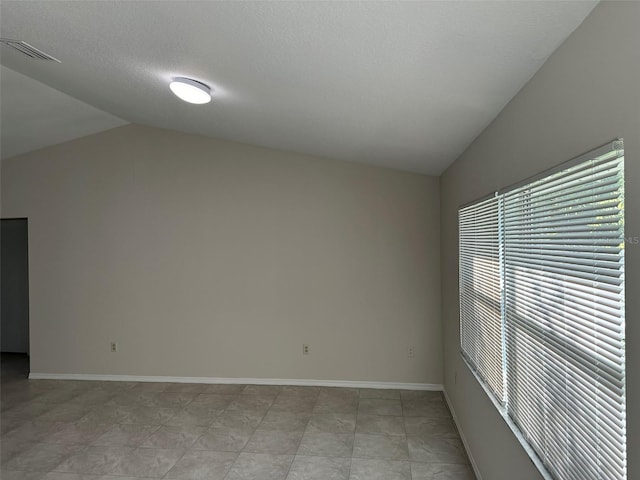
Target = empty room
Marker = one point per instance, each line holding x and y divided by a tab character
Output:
320	240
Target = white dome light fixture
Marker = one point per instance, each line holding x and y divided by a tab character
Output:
190	90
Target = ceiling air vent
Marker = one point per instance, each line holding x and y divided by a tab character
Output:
28	50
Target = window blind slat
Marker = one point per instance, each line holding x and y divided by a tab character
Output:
539	203
574	337
573	413
601	196
586	208
577	289
564	180
542	312
481	331
602	315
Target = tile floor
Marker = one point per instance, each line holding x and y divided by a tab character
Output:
78	430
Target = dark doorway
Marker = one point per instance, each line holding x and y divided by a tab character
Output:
14	299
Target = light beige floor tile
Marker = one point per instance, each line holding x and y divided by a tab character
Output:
21	475
380	406
326	444
332	423
440	471
202	465
262	390
198	415
186	387
224	439
41	457
250	404
424	408
224	389
301	391
386	447
431	449
368	469
431	426
76	433
237	420
293	404
336	404
125	435
174	437
379	393
97	460
148	462
286	421
319	468
214	400
380	425
274	442
252	466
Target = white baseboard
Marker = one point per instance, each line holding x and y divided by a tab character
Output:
462	437
248	381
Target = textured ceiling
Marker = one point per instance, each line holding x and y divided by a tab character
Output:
34	115
406	85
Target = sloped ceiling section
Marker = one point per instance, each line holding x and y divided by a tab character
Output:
34	115
406	85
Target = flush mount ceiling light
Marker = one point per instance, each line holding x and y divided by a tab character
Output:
190	90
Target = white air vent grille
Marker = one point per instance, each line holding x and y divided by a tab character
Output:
28	50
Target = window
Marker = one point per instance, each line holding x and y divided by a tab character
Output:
542	312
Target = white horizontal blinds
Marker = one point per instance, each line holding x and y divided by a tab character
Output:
564	317
480	292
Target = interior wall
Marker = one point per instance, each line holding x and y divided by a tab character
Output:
584	96
208	258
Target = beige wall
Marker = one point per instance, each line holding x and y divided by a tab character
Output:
586	94
207	258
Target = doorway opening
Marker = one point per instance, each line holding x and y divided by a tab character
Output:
14	296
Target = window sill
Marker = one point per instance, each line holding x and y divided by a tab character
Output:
514	428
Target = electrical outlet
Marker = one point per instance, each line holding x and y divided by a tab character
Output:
305	349
410	352
114	347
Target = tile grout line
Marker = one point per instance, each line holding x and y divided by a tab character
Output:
406	436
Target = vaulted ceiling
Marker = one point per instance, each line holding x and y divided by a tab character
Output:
406	85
